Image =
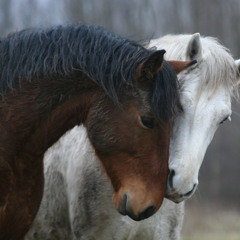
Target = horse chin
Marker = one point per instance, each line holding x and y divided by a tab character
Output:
177	197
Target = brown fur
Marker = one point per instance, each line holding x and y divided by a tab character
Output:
33	117
139	163
24	139
180	66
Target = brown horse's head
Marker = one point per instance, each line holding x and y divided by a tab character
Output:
132	140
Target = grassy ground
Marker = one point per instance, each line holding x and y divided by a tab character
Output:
211	223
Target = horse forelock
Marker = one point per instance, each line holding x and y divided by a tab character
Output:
216	68
164	92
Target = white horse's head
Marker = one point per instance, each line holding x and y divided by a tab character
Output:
206	90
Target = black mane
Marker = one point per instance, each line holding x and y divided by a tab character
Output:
108	59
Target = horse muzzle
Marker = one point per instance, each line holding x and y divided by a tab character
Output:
126	209
138	206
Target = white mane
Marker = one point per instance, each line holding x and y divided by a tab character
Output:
217	66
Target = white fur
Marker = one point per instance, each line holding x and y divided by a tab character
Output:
77	195
206	92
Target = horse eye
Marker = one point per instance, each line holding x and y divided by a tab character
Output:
226	118
147	122
180	108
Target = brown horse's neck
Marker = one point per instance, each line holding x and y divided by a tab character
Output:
33	119
65	116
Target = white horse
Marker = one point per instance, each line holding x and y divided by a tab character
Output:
206	96
77	196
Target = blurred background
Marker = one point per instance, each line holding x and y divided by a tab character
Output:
214	211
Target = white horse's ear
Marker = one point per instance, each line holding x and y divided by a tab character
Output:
194	48
237	62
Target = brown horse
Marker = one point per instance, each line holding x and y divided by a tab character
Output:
125	95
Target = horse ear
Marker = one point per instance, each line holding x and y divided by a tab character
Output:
194	48
237	62
179	66
151	65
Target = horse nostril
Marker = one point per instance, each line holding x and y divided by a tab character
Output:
148	212
123	207
191	191
170	178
